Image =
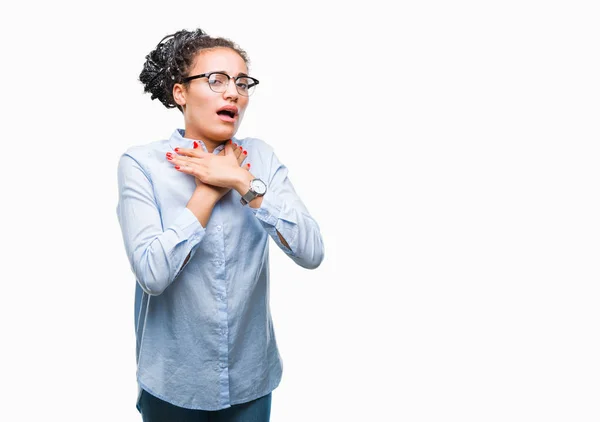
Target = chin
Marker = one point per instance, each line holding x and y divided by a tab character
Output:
219	134
226	134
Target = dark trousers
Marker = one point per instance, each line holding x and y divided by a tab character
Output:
157	410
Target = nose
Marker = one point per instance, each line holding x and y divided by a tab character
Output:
231	91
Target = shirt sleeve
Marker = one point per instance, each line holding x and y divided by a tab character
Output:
156	255
282	211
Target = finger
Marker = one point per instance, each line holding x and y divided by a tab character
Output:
225	149
181	160
237	150
190	152
187	168
247	166
233	148
241	158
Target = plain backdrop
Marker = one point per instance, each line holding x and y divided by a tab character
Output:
448	150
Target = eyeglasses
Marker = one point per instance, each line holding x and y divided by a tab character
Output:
219	81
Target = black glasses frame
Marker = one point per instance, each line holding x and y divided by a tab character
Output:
252	84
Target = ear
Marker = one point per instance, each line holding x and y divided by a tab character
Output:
179	94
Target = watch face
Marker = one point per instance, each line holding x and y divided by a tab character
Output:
259	186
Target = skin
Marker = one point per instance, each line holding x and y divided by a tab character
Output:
215	175
200	103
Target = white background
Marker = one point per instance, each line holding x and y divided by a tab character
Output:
448	150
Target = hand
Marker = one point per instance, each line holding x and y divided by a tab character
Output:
216	173
219	191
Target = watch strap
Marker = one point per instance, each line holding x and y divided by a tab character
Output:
248	197
251	194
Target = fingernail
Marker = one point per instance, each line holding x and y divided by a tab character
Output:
246	152
195	144
169	154
177	167
176	149
248	165
169	157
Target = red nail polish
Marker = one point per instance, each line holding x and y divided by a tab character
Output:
195	144
169	154
169	157
177	167
246	152
176	149
248	165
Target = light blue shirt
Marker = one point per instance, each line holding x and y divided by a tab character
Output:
204	334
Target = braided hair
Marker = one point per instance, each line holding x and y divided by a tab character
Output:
172	59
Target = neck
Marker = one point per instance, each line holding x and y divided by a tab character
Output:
210	144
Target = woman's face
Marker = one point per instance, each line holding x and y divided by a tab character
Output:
202	107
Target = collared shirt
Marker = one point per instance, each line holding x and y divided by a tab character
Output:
204	334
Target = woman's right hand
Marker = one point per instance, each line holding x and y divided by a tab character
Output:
218	192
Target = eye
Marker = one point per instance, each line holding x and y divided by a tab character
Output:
217	79
243	83
215	82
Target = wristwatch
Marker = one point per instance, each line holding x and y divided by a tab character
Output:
257	188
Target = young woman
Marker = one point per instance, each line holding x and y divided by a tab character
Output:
196	212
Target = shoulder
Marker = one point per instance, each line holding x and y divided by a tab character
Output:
144	155
139	152
261	155
255	146
255	143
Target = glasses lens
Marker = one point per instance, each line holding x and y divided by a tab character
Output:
218	82
245	86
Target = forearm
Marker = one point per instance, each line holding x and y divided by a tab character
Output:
202	203
292	229
157	263
156	251
241	184
160	261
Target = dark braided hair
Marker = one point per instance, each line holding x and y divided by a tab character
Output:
172	59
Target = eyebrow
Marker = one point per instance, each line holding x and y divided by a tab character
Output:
222	71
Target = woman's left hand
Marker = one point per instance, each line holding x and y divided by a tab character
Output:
221	170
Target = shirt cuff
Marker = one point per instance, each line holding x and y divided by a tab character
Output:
188	227
268	212
273	218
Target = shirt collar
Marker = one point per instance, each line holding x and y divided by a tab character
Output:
178	139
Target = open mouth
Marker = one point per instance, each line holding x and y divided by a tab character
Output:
228	113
